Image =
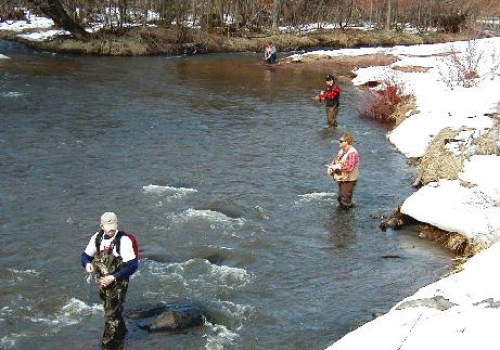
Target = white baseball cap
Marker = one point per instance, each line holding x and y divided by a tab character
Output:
109	221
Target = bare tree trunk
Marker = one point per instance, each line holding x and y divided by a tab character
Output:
220	8
276	14
235	10
388	17
55	10
371	12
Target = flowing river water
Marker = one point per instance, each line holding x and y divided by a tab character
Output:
216	164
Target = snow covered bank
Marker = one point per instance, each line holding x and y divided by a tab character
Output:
469	205
460	311
473	212
438	105
34	23
470	210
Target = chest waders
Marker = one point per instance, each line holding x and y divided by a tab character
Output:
332	111
113	298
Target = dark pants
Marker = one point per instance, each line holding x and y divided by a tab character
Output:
272	59
113	299
346	190
331	115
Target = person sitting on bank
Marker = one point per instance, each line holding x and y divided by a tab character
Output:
270	53
331	97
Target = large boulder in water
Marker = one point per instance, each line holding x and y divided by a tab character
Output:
176	320
170	317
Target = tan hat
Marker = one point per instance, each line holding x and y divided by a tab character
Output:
109	221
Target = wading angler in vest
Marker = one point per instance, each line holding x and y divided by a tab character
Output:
112	257
344	169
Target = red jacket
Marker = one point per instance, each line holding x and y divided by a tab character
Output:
330	95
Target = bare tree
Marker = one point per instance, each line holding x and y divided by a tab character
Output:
254	15
55	10
388	15
343	12
276	14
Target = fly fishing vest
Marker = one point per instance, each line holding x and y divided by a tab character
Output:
341	176
104	262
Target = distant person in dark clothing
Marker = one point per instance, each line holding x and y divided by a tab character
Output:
270	53
330	96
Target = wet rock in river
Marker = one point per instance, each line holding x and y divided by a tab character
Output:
171	317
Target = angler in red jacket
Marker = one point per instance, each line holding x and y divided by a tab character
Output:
330	96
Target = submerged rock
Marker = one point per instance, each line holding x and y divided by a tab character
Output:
176	320
170	317
224	206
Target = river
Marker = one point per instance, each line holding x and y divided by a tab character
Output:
216	164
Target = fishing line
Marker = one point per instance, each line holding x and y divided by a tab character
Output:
407	335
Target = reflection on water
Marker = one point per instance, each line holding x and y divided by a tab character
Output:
342	228
216	164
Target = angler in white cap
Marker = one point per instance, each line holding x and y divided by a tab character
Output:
112	256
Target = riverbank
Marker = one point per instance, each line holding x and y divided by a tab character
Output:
40	34
459	116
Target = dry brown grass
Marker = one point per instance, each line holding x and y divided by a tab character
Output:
106	47
390	37
438	162
411	69
487	144
161	40
360	61
8	34
404	109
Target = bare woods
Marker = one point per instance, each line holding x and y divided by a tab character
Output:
139	27
252	16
